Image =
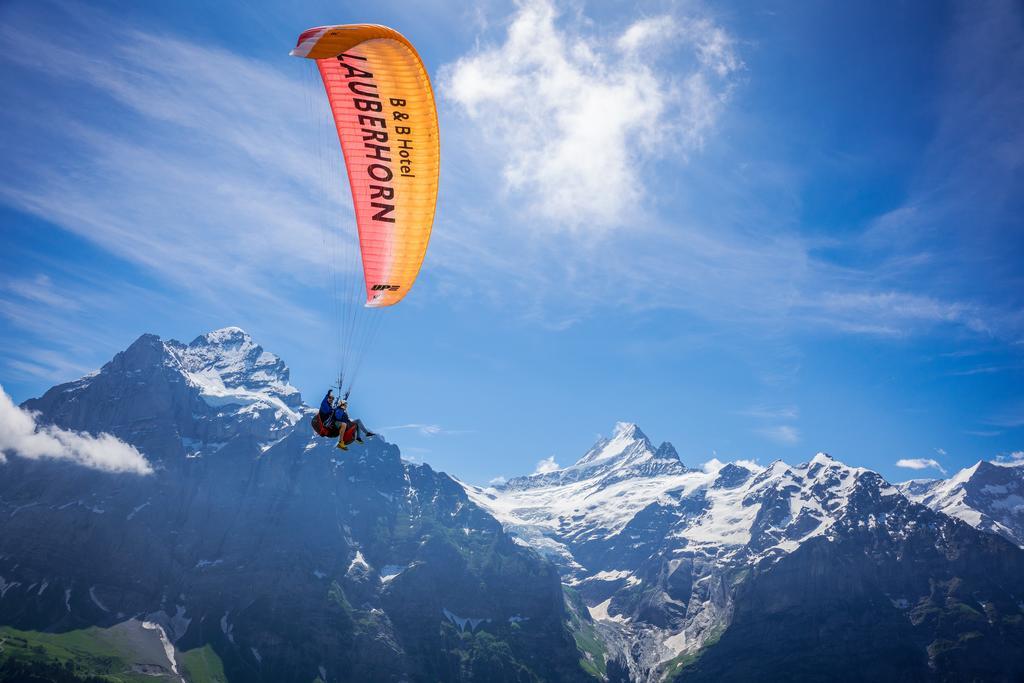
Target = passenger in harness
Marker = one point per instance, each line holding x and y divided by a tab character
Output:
323	421
348	427
332	420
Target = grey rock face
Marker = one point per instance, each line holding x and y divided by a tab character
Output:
290	558
174	400
895	592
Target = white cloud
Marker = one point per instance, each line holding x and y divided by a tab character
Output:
920	464
497	481
784	434
712	465
426	429
1014	458
546	465
19	434
575	118
940	451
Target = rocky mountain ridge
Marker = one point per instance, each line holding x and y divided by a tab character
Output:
987	495
662	554
287	559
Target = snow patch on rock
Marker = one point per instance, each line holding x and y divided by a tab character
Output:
165	641
464	623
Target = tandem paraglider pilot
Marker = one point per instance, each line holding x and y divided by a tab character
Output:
332	420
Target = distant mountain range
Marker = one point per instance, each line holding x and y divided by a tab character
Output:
815	571
259	552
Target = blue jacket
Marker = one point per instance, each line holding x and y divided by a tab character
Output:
326	408
340	415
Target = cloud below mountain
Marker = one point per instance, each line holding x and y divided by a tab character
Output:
21	435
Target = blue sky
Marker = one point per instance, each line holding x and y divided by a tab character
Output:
758	231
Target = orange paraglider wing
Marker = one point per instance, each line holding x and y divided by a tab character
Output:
383	108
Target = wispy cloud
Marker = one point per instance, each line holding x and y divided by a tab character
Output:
427	429
1010	417
546	465
20	435
779	433
206	170
521	91
920	464
894	313
984	370
783	434
771	412
59	330
44	364
40	289
1014	458
957	230
576	117
213	171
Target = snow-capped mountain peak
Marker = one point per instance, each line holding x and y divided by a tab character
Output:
230	369
728	508
822	458
626	441
626	454
986	495
235	357
199	395
625	518
224	336
228	363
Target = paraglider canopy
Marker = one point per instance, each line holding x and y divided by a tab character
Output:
384	112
